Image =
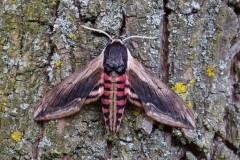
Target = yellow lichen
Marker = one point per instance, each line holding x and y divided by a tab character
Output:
71	36
210	71
110	138
58	63
189	104
179	87
192	81
16	136
135	139
2	104
2	92
125	119
136	111
130	124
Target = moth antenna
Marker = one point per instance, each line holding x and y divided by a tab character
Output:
97	30
144	37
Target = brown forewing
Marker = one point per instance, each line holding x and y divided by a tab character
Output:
157	99
68	97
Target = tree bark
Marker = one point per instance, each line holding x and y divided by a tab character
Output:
42	42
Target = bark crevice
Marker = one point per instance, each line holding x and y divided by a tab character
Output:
165	44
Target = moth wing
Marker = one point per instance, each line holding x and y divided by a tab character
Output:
68	97
157	99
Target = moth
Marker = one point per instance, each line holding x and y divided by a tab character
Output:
115	76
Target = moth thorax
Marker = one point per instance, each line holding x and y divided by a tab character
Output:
114	74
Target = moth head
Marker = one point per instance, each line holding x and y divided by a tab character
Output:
115	54
115	57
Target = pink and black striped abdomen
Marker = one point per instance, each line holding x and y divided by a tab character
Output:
113	100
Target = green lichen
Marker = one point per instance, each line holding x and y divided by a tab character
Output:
93	9
11	84
3	104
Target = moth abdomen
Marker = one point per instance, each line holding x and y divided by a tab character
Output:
113	100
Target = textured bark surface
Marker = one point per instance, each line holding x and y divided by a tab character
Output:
197	52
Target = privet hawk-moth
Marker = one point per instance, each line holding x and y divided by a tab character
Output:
115	76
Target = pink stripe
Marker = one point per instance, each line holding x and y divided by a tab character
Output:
121	85
106	93
107	85
121	102
105	110
120	111
105	101
120	119
106	77
122	77
120	93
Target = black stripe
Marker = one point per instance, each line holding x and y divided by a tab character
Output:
119	115
107	73
105	106
120	82
131	90
92	96
117	122
120	89
136	99
98	86
107	81
121	98
110	82
107	121
107	89
120	107
105	97
106	115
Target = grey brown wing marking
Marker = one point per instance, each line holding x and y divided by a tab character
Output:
159	102
69	96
